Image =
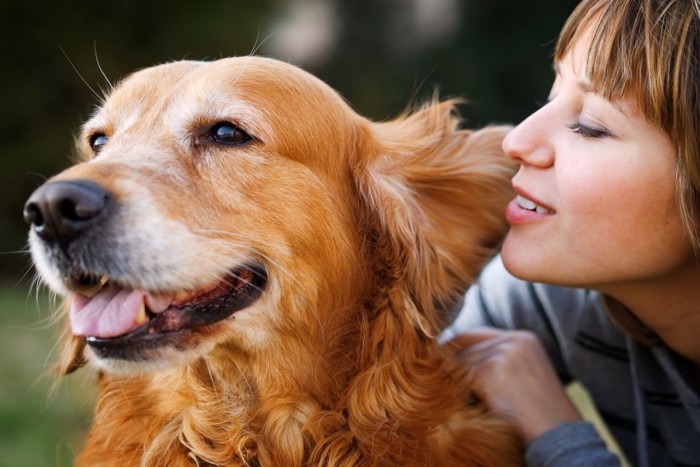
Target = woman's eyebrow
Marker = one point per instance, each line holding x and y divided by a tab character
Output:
587	87
584	84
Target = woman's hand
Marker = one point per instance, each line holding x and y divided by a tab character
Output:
518	378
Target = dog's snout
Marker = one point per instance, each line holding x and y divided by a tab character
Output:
59	211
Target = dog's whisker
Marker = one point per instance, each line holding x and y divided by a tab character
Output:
37	174
243	376
243	243
212	380
16	252
35	286
24	275
258	45
99	67
236	277
99	96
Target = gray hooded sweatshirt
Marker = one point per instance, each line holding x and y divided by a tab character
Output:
644	393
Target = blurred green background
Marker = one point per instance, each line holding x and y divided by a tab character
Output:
381	55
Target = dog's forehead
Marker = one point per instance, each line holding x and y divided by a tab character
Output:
244	77
150	83
136	94
200	90
290	110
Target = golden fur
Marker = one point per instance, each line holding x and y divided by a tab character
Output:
367	231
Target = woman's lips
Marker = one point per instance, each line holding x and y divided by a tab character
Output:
523	209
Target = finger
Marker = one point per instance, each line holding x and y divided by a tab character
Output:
475	336
509	348
486	348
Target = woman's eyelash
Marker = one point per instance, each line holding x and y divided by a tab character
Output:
587	131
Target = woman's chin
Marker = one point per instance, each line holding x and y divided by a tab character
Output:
526	262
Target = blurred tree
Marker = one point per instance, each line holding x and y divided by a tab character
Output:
380	54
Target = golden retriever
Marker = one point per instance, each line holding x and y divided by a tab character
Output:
259	274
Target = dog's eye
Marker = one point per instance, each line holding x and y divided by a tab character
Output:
97	142
229	134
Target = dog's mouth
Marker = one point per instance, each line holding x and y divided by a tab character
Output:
118	321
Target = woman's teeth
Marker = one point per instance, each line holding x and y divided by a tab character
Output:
530	206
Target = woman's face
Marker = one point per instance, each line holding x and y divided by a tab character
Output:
596	190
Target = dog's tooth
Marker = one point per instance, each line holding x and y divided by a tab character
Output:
141	316
92	290
181	297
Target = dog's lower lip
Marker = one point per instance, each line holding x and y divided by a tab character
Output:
165	328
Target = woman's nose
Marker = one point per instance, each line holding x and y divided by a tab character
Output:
529	143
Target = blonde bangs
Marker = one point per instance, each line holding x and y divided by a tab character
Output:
649	49
622	55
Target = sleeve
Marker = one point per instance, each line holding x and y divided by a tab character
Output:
575	444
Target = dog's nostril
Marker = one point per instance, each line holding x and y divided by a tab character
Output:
68	211
32	215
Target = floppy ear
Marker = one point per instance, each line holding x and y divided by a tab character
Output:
434	198
71	348
437	195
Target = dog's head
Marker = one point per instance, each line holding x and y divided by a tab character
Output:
227	203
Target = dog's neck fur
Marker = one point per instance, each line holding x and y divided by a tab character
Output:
335	410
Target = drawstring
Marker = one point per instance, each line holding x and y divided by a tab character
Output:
682	388
642	447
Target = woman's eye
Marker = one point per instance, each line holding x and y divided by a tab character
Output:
228	134
587	131
97	142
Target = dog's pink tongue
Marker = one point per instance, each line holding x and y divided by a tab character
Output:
113	311
109	313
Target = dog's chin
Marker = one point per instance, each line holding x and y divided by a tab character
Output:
154	361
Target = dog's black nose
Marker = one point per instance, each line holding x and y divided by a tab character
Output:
59	211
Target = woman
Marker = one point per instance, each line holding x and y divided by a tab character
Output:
602	278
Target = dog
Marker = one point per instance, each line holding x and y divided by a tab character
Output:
259	274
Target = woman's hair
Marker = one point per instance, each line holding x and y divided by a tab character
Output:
652	49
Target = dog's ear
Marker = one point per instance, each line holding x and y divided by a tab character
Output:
71	348
436	196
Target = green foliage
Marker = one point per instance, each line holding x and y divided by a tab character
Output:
38	426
